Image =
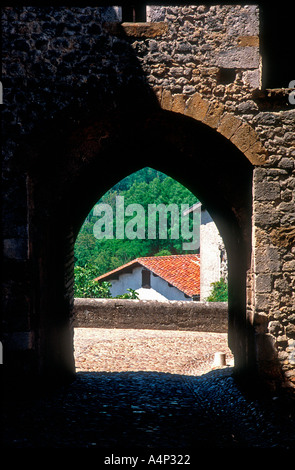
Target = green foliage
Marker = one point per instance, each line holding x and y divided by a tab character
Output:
86	286
131	294
219	292
163	253
144	187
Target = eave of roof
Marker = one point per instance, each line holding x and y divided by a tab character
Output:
178	270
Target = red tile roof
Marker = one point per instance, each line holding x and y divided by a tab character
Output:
182	271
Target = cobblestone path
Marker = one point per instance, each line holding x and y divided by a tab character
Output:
149	411
124	413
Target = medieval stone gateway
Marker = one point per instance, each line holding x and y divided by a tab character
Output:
87	100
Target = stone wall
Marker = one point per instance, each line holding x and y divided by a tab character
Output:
155	315
204	43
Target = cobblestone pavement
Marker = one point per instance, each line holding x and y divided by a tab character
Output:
174	352
127	412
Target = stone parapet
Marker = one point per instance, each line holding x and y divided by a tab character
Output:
140	314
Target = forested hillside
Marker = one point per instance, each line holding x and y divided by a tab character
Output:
144	187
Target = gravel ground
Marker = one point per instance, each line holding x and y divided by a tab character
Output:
132	411
174	352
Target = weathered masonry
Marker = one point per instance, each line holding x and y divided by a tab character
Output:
151	315
88	100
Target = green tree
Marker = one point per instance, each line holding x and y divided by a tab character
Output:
219	292
144	187
86	286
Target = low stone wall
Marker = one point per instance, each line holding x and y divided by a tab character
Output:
172	315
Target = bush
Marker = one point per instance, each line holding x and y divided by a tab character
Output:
131	294
219	292
85	286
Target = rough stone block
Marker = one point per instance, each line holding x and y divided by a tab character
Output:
149	30
166	101
213	115
263	283
265	218
239	57
275	328
289	266
244	137
290	331
178	103
228	125
252	78
283	236
196	107
262	302
287	163
267	259
251	41
267	191
256	153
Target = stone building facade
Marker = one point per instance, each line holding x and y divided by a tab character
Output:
86	101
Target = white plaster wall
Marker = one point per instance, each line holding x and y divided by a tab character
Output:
210	255
170	293
126	281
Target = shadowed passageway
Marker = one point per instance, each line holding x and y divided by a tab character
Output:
146	411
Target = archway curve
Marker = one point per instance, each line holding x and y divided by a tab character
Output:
240	133
189	151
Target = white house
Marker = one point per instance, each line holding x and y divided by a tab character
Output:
175	277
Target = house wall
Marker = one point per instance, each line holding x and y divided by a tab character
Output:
160	289
211	243
126	281
170	292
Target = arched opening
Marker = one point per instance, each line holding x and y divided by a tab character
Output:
156	260
147	214
97	154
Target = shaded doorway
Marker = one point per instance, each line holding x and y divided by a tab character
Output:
192	153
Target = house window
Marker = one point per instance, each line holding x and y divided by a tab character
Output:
134	13
146	279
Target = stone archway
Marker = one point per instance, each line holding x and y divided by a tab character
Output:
85	160
115	126
161	139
